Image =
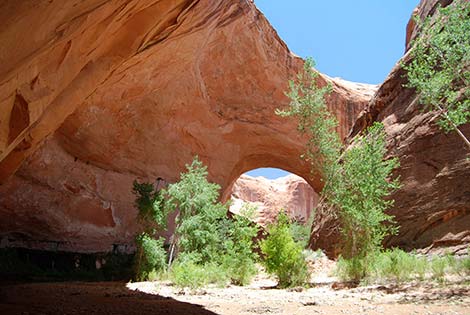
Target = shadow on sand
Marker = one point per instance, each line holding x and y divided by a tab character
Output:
88	298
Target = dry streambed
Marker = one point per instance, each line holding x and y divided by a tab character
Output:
261	297
325	296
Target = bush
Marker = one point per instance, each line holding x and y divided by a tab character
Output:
185	272
239	260
301	232
150	259
463	265
440	266
283	256
394	265
353	269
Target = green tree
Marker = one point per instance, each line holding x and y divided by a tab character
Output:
439	67
150	255
210	247
200	213
359	189
357	179
205	236
307	104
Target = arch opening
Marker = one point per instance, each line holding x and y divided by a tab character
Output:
270	190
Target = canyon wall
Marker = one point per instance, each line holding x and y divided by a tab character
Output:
432	207
291	194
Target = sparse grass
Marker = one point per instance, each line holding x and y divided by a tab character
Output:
399	266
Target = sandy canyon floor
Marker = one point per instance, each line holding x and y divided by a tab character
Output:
324	297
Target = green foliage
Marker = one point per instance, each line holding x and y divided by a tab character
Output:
358	189
206	237
465	264
439	69
150	257
301	232
352	269
150	204
397	265
239	259
357	181
187	273
442	265
201	216
283	256
307	104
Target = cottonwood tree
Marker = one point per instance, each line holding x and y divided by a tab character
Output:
440	65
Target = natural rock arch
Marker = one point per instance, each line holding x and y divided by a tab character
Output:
140	103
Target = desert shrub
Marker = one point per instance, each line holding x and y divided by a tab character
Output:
463	265
150	258
282	256
393	265
442	265
421	265
352	269
187	273
396	266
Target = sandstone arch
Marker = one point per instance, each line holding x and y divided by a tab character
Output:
126	89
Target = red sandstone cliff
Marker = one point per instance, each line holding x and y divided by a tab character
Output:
290	193
432	208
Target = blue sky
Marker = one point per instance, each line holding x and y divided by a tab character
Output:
357	40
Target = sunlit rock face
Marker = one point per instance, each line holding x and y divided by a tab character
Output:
291	194
94	94
432	207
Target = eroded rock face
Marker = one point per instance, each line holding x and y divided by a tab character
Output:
290	193
433	204
96	93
